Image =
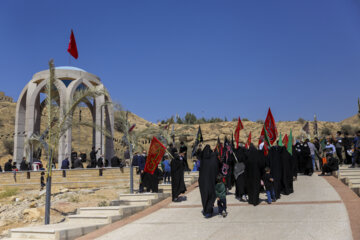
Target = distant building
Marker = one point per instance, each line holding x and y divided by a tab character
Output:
4	98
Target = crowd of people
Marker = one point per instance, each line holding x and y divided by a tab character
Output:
251	171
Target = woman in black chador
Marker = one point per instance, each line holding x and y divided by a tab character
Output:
239	174
255	164
207	179
177	175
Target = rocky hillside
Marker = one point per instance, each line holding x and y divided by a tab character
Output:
183	132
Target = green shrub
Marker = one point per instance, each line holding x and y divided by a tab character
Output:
301	120
74	198
8	192
260	121
326	131
103	204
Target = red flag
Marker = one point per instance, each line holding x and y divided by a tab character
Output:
247	145
266	148
285	140
237	132
270	127
155	154
72	49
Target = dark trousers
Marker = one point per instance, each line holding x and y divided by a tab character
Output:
167	176
221	205
141	185
347	157
355	158
270	195
339	154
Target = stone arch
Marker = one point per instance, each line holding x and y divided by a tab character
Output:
28	110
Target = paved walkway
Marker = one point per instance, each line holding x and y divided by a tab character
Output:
313	211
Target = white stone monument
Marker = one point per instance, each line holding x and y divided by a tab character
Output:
68	80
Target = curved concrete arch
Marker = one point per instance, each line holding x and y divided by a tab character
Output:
28	110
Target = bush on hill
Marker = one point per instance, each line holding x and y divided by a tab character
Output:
301	120
326	131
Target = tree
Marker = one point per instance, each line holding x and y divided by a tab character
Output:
190	118
179	120
260	121
201	120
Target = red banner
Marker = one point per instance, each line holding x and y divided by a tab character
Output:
247	145
270	128
155	154
237	132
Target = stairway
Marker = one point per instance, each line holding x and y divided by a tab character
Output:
349	176
91	218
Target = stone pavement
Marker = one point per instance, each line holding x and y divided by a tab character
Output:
313	211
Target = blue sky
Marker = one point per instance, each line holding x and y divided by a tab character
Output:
211	58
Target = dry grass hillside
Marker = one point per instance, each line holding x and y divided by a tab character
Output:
211	131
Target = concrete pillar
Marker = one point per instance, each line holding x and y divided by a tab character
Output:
99	122
19	138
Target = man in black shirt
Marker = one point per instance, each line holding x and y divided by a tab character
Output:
8	166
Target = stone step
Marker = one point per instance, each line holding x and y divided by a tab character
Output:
89	219
65	230
110	211
104	214
348	175
141	202
165	188
356	189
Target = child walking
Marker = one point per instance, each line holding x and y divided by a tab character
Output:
220	190
269	186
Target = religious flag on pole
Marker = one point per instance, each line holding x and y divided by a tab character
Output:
306	128
219	148
72	49
267	143
248	142
155	154
199	139
280	141
270	126
237	132
290	143
232	141
285	140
